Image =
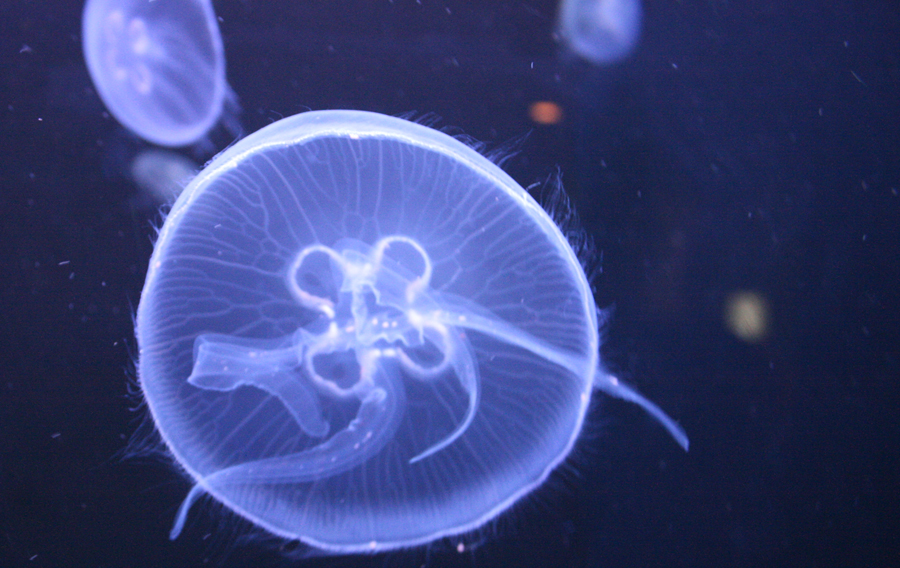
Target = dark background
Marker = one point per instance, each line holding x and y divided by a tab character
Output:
741	147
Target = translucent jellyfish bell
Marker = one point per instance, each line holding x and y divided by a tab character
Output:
159	67
601	31
161	175
360	333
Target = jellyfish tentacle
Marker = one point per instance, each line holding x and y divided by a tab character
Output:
476	320
611	385
459	313
224	363
459	354
375	423
380	413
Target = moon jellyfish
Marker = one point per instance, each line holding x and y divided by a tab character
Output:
159	67
358	332
601	31
161	174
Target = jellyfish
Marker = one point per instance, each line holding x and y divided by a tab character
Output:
360	333
159	67
161	175
601	31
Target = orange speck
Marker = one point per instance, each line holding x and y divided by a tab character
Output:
545	112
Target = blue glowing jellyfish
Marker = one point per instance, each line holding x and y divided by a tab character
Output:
601	31
159	67
360	333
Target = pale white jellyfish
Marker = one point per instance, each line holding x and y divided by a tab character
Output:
161	175
160	67
359	333
601	31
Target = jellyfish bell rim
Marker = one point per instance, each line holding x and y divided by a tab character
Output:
303	128
174	138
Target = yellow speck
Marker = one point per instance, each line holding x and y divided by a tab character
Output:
747	316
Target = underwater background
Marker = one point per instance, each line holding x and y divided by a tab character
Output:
738	173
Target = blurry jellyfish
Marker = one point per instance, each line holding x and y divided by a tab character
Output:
358	332
601	31
161	175
159	67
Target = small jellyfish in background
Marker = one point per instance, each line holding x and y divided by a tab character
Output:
358	332
601	31
161	175
159	67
